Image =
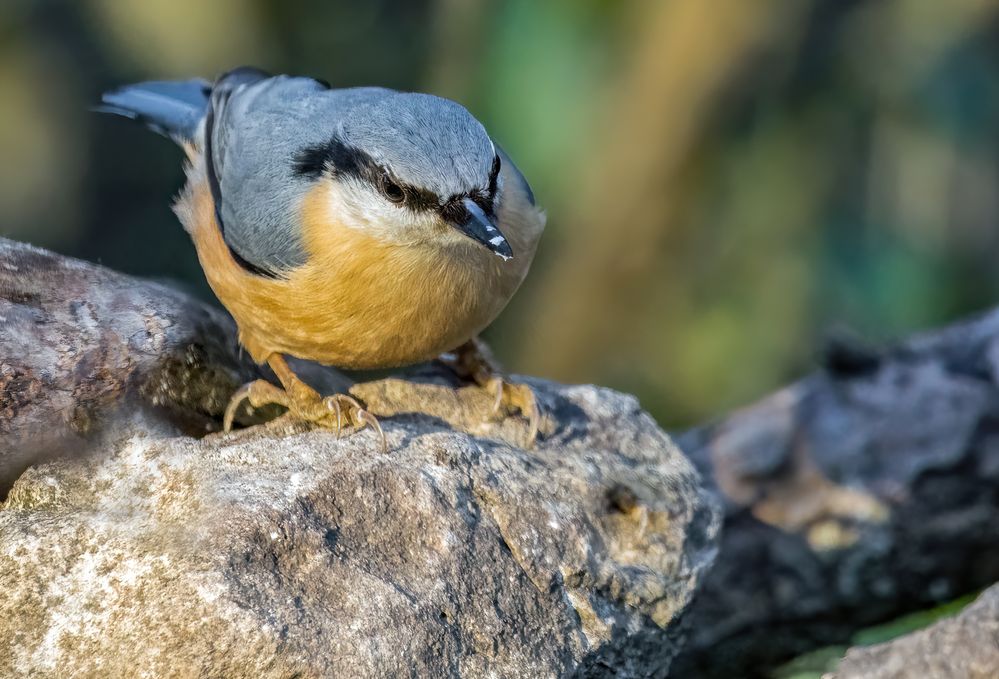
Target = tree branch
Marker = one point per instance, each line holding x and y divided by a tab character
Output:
864	491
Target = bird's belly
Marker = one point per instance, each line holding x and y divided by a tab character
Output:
380	307
366	324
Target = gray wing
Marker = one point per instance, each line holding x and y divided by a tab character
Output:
257	127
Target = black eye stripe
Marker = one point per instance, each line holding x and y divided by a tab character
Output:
341	159
494	176
454	212
337	157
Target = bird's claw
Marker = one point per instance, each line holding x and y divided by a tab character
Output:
356	415
332	412
511	397
372	422
332	404
237	399
474	361
258	394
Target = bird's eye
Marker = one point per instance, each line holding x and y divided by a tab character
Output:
392	191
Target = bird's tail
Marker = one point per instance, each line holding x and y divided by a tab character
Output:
173	108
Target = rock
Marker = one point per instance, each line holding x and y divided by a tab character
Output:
281	551
78	340
963	647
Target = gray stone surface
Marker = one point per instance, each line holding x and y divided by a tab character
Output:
279	551
78	341
963	647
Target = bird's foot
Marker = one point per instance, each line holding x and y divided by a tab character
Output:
512	397
304	403
348	410
473	360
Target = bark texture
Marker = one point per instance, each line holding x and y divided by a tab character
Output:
865	491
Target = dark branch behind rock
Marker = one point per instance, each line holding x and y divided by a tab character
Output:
860	493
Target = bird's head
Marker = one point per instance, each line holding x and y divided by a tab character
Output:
413	168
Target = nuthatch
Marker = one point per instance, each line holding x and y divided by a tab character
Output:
359	228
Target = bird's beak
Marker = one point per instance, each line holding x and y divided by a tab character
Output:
478	226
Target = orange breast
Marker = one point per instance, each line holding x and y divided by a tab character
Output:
358	302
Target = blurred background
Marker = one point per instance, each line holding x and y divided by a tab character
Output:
726	181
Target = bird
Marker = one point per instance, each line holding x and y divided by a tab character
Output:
360	228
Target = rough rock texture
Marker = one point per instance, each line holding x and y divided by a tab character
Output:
279	551
270	552
865	491
77	341
963	647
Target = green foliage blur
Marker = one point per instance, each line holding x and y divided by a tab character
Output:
725	180
822	661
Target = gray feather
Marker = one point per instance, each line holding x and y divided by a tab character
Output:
257	130
260	126
173	109
427	141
